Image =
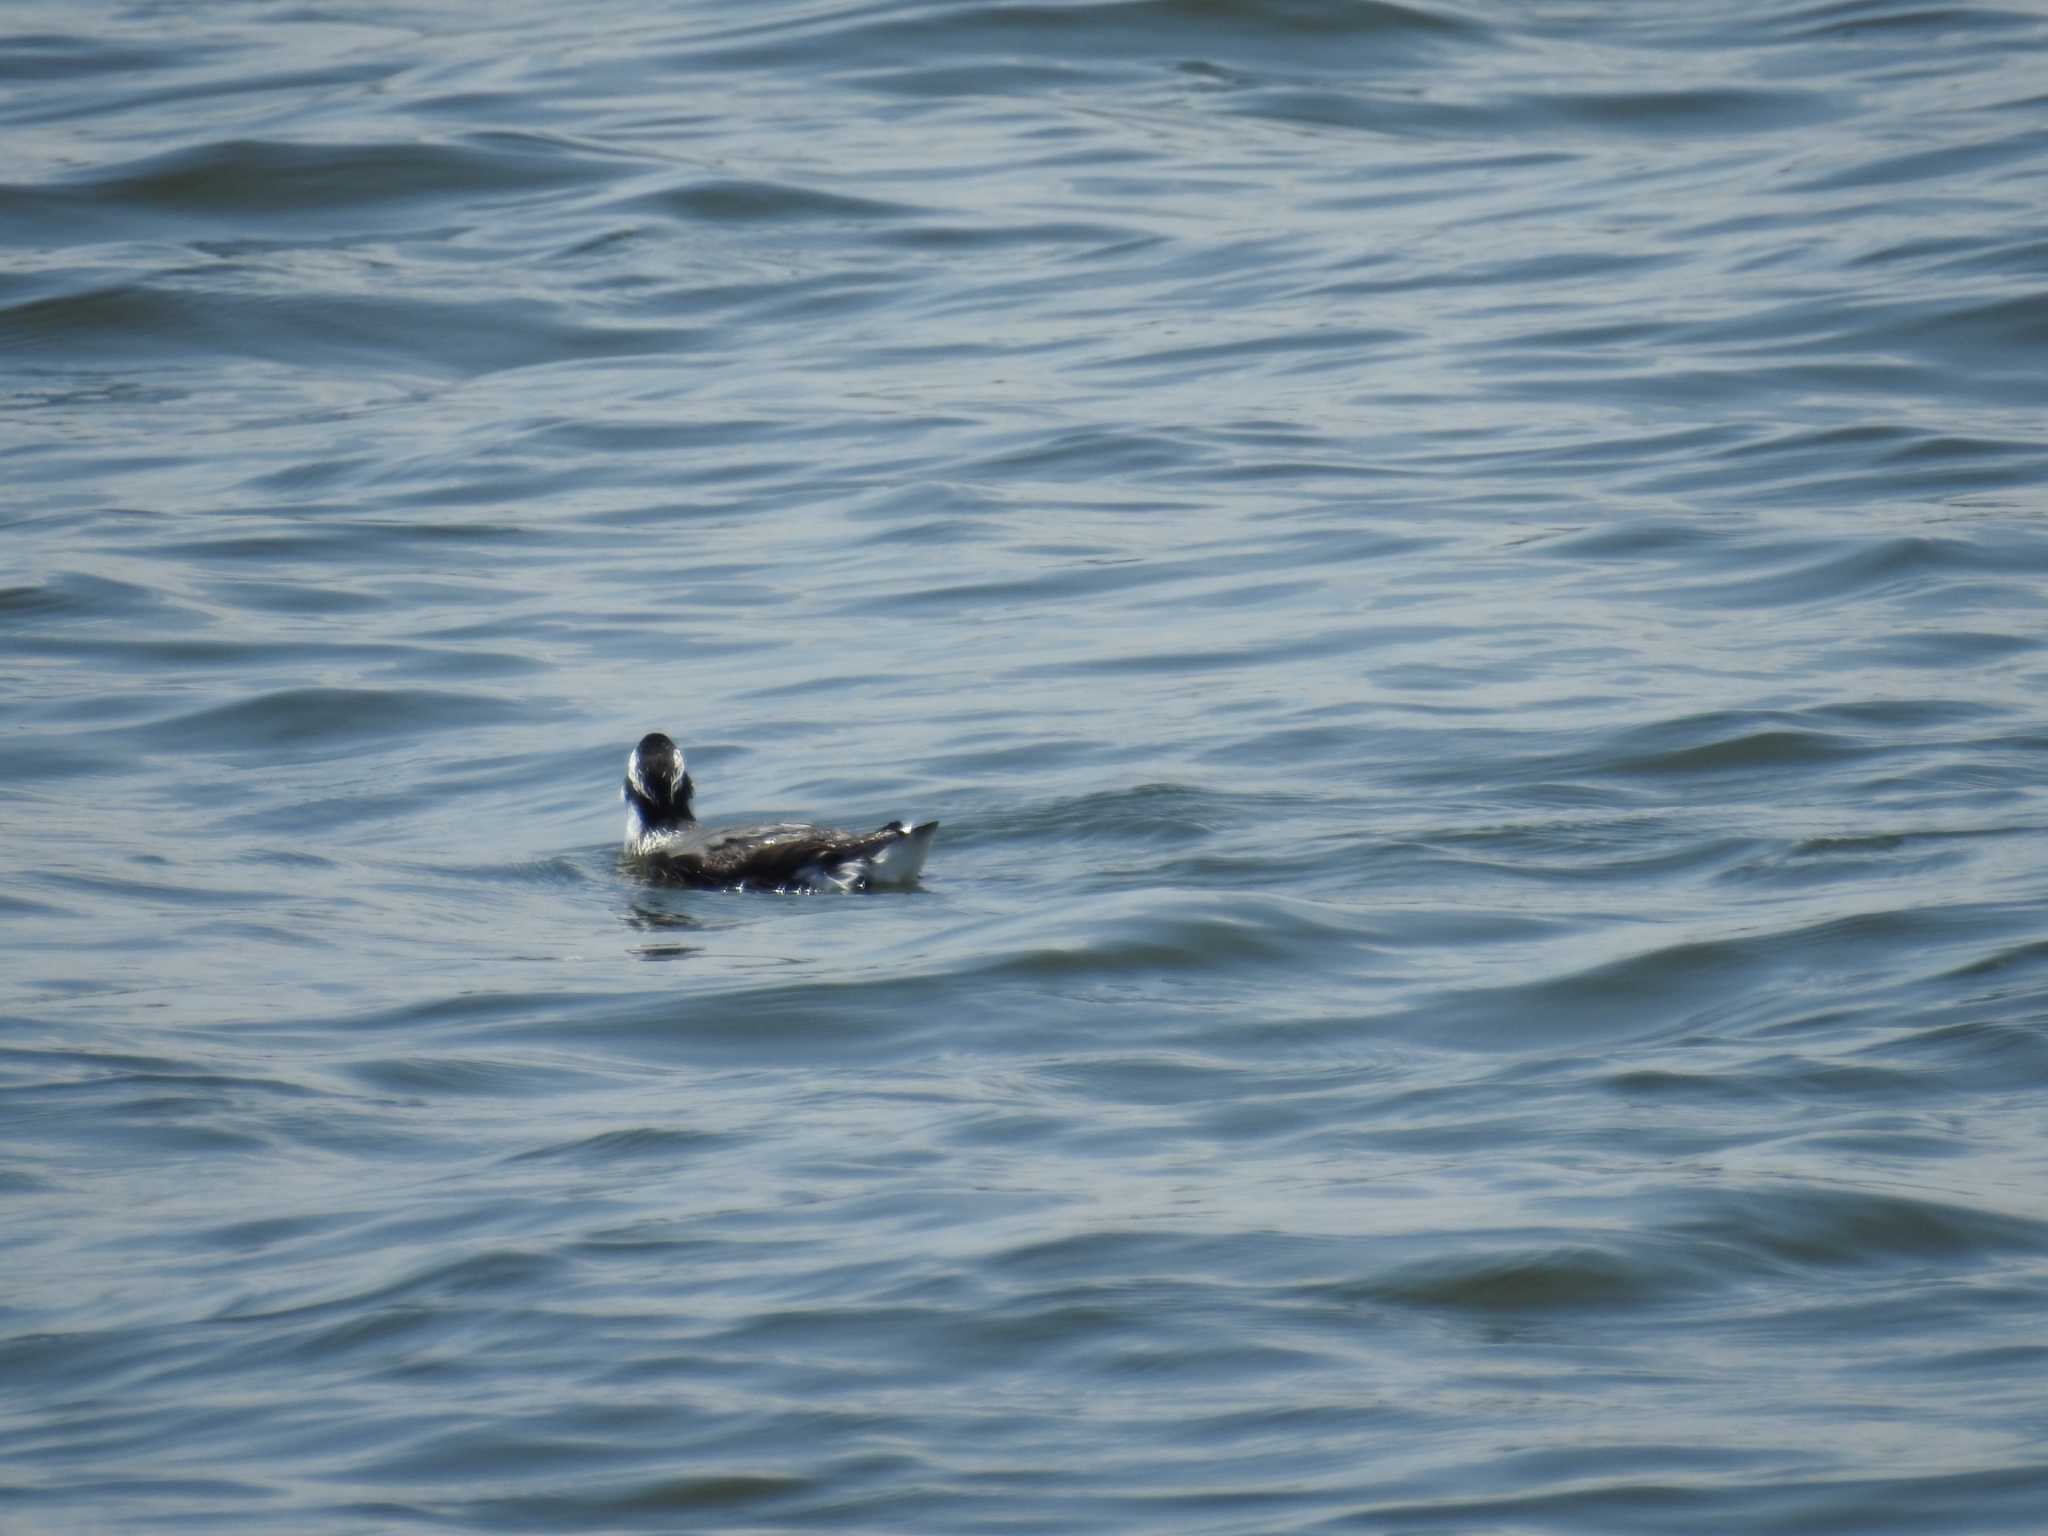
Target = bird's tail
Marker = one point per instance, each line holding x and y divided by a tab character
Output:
900	860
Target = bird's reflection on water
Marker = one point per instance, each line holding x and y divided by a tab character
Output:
648	917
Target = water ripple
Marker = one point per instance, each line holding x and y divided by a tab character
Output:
1464	582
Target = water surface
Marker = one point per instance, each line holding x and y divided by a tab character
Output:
1465	580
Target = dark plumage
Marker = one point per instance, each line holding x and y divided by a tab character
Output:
665	838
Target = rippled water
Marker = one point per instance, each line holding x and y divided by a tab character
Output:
1466	581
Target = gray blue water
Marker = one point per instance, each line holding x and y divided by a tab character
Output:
1466	579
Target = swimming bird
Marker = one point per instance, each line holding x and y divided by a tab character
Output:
664	835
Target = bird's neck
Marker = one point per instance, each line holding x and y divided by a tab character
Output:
656	817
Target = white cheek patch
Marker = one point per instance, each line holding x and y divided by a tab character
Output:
636	774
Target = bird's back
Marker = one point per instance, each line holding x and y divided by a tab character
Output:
791	855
